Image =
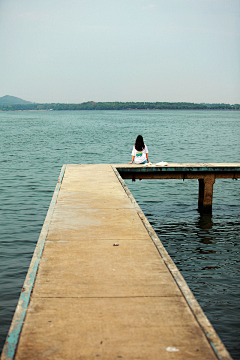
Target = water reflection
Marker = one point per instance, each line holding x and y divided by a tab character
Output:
205	224
205	221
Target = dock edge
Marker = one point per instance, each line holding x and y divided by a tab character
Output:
12	339
211	335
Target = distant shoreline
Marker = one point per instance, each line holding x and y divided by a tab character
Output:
41	110
131	106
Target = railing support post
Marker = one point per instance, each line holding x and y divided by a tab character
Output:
205	194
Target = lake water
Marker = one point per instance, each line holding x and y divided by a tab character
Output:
206	249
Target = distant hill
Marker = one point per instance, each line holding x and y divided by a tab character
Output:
11	100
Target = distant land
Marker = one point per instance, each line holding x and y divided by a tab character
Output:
12	103
11	100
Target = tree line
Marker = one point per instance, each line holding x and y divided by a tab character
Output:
92	105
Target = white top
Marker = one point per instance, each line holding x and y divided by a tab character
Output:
140	156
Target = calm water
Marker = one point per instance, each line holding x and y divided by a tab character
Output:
33	147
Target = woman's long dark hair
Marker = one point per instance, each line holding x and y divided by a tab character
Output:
139	143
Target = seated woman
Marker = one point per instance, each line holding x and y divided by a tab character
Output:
140	151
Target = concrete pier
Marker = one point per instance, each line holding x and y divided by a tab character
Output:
205	173
102	286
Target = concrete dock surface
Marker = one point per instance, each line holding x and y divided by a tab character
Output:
105	287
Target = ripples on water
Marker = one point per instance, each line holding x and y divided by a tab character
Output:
33	147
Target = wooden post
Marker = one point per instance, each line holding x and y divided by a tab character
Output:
205	194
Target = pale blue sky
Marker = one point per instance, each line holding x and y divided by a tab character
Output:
120	50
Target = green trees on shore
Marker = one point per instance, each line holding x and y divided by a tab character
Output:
91	105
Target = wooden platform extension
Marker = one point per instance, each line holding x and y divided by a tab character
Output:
102	286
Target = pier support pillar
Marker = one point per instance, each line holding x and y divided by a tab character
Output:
205	194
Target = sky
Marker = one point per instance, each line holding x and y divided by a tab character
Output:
71	51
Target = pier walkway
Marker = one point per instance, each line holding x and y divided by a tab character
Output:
205	173
102	286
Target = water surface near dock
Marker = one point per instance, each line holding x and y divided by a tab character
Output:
206	249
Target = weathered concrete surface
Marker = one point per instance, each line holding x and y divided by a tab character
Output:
206	173
205	194
95	300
